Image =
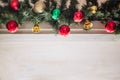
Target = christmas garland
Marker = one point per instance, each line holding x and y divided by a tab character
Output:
60	14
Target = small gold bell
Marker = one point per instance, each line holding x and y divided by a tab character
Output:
88	25
36	28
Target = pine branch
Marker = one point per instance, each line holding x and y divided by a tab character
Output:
110	9
68	13
107	11
92	2
118	29
47	3
63	5
53	5
87	11
5	1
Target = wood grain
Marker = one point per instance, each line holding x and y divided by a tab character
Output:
50	57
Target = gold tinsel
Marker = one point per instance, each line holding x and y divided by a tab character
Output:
87	25
39	6
36	28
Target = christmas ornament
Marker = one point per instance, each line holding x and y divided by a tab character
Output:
36	28
93	12
14	4
55	14
39	6
110	26
64	30
87	25
93	9
12	26
78	16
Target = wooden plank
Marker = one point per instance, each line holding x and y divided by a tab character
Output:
46	28
47	57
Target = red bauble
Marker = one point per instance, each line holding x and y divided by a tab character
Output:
12	26
78	16
64	30
14	4
110	26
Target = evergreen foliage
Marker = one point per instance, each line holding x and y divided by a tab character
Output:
108	10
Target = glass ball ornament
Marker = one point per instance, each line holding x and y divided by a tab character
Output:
12	26
39	6
14	4
55	14
64	30
110	26
78	16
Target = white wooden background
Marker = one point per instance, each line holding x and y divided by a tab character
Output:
50	57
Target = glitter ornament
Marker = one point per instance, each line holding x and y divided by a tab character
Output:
55	14
14	4
78	16
110	26
64	30
12	26
39	6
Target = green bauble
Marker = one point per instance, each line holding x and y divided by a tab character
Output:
55	14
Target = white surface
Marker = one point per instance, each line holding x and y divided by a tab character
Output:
49	57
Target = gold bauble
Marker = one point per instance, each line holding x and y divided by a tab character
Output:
87	25
93	8
39	6
36	28
94	12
